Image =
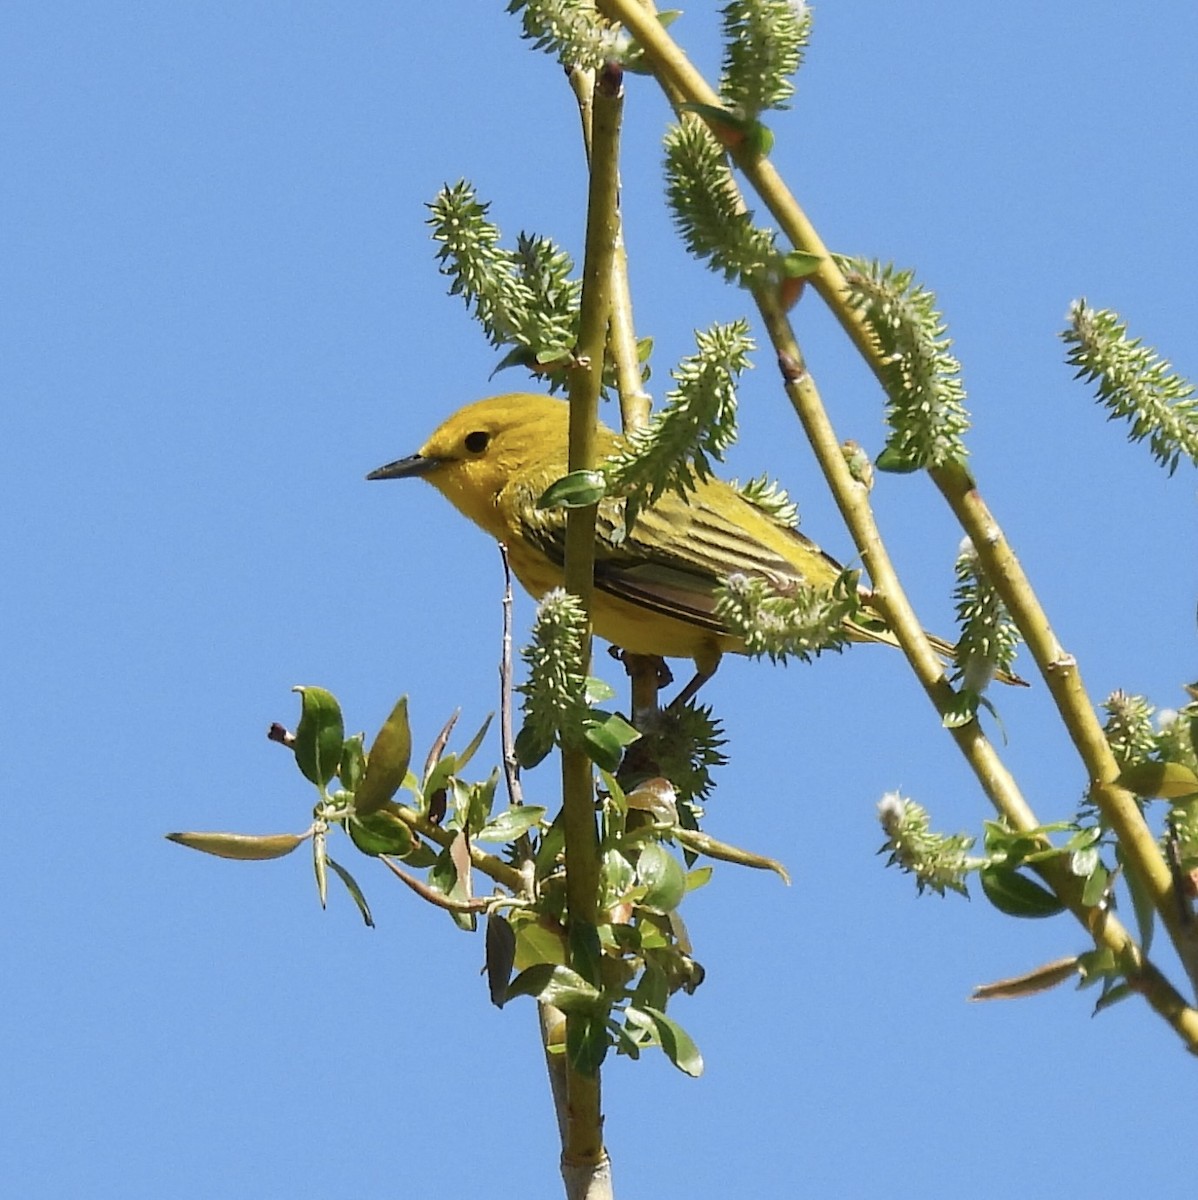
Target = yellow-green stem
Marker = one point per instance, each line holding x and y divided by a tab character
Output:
583	1145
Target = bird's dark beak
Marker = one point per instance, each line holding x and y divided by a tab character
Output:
406	468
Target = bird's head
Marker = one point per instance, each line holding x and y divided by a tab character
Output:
487	445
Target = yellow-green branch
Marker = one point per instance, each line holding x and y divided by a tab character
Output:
583	1147
682	82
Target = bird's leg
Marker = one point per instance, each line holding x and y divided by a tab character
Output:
705	668
649	674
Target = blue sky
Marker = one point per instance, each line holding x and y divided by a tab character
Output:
221	309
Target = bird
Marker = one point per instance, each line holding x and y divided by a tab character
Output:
655	584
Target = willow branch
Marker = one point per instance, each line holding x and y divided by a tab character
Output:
491	866
681	81
583	1148
1060	671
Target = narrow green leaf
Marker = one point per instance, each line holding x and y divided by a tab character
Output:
579	489
246	847
501	954
387	762
1166	780
351	886
1112	995
619	729
540	941
320	858
1142	905
319	736
477	740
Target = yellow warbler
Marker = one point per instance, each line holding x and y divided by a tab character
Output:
654	588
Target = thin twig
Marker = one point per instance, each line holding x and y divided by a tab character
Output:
507	740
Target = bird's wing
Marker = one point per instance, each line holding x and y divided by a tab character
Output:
679	550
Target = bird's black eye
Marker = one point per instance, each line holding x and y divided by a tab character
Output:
476	442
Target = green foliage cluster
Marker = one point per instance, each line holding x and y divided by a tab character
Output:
1135	383
559	698
697	423
988	636
708	211
771	498
524	299
783	625
764	42
925	396
571	31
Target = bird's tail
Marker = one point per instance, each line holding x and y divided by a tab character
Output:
867	632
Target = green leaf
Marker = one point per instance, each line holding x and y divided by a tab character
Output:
616	876
598	690
351	886
677	1044
620	729
1017	895
759	140
387	762
1166	780
799	264
699	877
552	846
1141	902
501	954
381	832
586	1041
1112	995
320	859
557	985
477	740
653	988
353	763
540	941
444	876
578	489
245	847
897	463
662	877
1095	886
473	801
586	953
602	745
531	747
319	735
510	824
